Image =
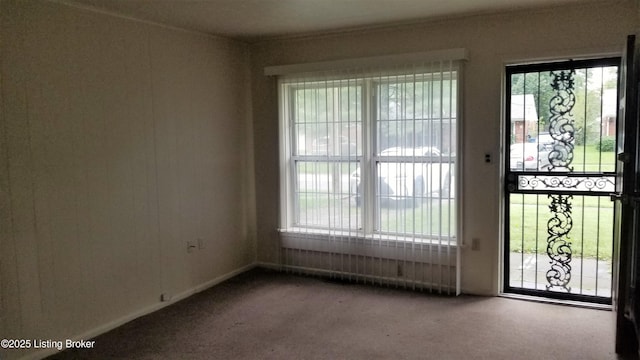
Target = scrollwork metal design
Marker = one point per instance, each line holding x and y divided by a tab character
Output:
567	183
558	244
561	122
562	130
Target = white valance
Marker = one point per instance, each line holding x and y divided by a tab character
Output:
375	61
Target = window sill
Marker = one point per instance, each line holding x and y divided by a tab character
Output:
376	238
431	250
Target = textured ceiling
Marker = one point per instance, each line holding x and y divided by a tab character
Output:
251	20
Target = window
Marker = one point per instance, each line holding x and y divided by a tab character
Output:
326	134
371	152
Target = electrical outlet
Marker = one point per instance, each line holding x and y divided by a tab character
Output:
165	297
475	244
190	246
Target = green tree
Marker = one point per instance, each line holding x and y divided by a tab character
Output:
589	85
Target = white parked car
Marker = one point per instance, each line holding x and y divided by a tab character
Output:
529	156
544	138
431	175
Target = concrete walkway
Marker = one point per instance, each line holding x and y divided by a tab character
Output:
588	276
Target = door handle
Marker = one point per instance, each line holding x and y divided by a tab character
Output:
623	157
625	198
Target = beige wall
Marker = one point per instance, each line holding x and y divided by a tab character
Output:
492	41
119	141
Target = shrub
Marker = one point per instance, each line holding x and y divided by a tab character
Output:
606	144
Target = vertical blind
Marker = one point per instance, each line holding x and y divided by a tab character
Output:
369	166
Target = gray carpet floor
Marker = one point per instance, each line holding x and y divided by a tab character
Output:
268	315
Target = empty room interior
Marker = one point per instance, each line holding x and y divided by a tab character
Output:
427	179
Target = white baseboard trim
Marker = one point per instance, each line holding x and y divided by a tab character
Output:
210	283
144	311
270	266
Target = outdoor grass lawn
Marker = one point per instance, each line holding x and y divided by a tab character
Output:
433	217
426	217
590	236
589	159
592	216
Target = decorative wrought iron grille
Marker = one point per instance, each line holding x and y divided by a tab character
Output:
560	165
561	122
558	243
604	184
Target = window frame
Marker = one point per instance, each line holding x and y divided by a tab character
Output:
368	158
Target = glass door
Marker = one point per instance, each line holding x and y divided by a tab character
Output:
560	170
